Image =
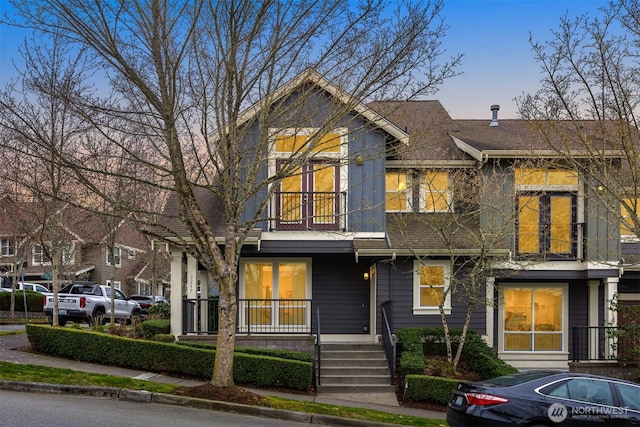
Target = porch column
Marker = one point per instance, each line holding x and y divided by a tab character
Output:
176	292
204	294
192	291
610	290
594	320
610	316
489	306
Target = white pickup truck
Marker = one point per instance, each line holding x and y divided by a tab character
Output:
88	302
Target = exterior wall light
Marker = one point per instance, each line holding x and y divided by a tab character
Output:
366	276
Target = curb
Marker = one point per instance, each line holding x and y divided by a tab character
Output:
142	396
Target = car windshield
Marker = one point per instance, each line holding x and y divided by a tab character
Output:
515	379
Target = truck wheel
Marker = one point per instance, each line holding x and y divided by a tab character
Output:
62	321
50	320
134	314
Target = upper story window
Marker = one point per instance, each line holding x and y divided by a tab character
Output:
436	192
114	256
39	257
397	192
431	280
6	247
547	214
69	254
627	225
312	196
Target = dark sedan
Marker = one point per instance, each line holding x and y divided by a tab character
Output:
147	301
545	398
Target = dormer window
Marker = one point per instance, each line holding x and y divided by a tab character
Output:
627	226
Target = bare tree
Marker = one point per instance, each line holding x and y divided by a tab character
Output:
587	108
199	82
39	128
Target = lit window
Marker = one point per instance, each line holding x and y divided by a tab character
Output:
627	226
431	281
397	193
545	177
437	195
533	319
275	294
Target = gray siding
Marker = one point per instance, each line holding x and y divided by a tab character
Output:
341	295
395	290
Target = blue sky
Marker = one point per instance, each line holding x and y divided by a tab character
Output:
493	35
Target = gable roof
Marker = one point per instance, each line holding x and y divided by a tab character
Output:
313	77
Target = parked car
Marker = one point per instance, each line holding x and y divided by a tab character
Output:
147	301
545	398
35	287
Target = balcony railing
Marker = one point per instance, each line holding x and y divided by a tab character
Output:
308	210
255	316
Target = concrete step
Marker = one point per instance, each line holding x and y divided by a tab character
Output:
355	380
356	372
356	388
351	363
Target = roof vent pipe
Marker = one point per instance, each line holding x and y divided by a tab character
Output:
494	118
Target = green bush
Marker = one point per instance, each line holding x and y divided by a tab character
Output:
155	356
151	328
165	338
424	388
477	355
412	363
161	310
34	301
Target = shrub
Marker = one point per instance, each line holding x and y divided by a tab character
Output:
412	363
477	355
34	301
160	311
165	338
151	328
166	357
433	389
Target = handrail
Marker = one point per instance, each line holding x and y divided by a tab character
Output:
389	344
318	348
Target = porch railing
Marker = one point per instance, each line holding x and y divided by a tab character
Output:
594	343
389	344
260	316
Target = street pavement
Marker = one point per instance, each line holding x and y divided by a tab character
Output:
12	349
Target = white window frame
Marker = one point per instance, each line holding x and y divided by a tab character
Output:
69	254
6	248
432	309
408	192
274	261
118	257
423	193
340	157
565	317
37	257
116	284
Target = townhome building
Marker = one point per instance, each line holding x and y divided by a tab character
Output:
405	217
93	249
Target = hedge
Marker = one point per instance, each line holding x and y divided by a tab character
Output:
34	301
155	356
274	352
433	389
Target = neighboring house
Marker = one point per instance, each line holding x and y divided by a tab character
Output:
351	239
86	254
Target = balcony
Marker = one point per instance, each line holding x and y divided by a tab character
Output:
255	316
308	211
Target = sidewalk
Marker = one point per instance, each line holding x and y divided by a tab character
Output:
11	345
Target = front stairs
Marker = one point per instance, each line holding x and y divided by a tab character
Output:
354	368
